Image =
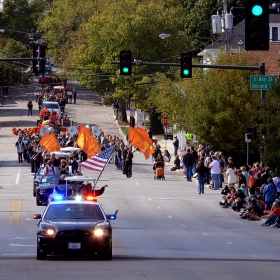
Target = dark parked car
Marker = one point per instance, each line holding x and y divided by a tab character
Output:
74	227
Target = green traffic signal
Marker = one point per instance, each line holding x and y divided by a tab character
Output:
186	72
257	10
125	70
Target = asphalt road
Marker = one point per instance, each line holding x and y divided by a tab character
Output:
164	229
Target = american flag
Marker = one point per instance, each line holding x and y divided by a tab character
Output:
98	162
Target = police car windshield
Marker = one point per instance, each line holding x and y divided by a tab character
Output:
74	211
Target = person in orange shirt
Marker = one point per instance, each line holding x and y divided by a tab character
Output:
273	219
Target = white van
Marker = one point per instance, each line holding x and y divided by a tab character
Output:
52	105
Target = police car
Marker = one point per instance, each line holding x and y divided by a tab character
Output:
75	227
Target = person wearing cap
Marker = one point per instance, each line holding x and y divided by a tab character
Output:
176	145
215	172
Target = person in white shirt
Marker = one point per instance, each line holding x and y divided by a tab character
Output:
215	172
49	168
231	174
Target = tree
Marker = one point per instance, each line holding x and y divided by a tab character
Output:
13	73
270	114
217	110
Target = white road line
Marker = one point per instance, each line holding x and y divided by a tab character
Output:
159	208
150	199
21	245
230	243
17	178
169	217
136	183
183	225
205	233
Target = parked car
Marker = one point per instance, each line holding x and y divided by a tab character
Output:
168	132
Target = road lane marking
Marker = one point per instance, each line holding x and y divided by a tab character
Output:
205	233
230	243
119	246
183	225
136	183
23	245
19	209
17	178
12	210
169	217
159	208
150	199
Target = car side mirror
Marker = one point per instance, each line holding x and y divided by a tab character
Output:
37	216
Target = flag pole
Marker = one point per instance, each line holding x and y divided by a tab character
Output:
102	170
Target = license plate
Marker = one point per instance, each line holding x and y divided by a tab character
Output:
74	246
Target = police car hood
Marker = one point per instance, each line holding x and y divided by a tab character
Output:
75	224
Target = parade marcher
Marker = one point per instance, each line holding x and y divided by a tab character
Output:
29	107
128	164
20	146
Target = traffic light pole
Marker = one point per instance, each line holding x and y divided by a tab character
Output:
262	144
257	68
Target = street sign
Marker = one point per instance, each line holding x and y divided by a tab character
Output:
261	82
247	139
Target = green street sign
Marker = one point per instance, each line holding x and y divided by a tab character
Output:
261	82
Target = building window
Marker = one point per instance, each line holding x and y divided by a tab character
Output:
274	34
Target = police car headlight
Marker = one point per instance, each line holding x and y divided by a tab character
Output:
47	232
101	232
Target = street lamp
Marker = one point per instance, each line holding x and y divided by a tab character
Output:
164	36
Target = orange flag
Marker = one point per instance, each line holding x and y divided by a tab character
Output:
87	142
44	138
142	141
131	132
51	144
43	112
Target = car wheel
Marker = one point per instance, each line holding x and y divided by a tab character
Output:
38	203
41	255
107	254
34	190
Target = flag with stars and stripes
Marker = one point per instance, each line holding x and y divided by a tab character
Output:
98	161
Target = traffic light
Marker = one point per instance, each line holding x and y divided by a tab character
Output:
252	133
39	52
42	59
186	65
256	25
35	62
125	63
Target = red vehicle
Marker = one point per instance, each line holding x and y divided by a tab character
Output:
51	80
